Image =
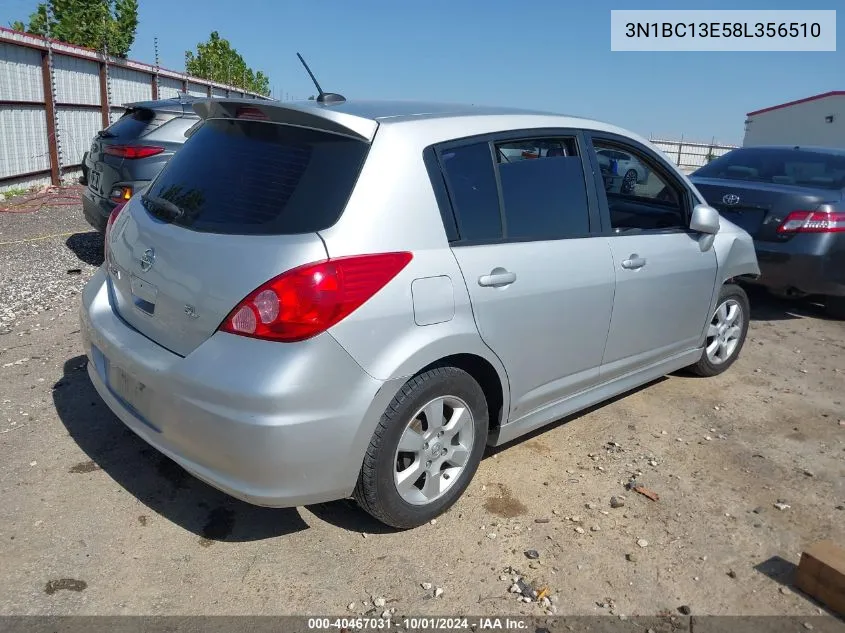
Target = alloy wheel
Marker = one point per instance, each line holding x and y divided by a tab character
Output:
724	331
433	450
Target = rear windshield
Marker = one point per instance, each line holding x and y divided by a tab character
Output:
798	167
250	177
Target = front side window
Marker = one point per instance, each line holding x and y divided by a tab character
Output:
640	195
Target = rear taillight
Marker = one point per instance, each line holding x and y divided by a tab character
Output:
133	151
112	217
813	222
308	300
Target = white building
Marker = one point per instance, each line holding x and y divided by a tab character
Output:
818	120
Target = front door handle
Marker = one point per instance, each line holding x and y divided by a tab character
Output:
633	262
497	278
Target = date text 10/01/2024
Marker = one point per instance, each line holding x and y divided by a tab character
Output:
723	29
419	624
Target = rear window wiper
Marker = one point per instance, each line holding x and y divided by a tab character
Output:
106	134
162	208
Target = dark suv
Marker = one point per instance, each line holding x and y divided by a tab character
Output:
129	153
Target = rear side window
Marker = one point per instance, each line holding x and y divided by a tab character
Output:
250	177
137	122
472	188
534	190
543	189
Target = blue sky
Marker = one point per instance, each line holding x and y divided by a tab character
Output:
546	54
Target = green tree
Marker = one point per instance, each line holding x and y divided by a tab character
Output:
97	24
216	60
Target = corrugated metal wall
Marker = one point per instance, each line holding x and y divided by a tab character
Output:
76	128
77	80
197	90
129	85
25	131
20	73
24	148
168	87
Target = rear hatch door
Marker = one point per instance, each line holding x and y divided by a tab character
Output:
239	204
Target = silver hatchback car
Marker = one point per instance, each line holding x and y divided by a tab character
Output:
315	301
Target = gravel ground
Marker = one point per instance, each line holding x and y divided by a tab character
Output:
46	257
95	522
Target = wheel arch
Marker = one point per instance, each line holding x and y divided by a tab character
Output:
487	376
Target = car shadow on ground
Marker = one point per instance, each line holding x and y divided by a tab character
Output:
164	486
767	307
88	247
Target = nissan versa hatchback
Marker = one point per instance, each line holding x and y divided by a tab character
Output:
322	300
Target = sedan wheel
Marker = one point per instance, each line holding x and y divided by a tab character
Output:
629	181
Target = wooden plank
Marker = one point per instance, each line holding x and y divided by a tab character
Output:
50	111
821	574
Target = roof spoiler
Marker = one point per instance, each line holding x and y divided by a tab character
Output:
313	116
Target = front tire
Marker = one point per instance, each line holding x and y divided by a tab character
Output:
726	332
425	450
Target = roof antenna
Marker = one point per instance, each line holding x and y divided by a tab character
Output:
322	97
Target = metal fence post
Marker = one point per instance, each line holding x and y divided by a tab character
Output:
154	76
104	94
50	112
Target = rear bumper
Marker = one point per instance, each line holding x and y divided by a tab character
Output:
807	264
272	424
96	209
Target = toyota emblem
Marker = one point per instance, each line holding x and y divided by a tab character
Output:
730	199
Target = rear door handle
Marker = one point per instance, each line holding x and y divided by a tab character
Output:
634	262
497	278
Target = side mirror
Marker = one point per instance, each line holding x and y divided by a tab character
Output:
705	219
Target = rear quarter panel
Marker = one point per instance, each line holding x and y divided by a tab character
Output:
393	208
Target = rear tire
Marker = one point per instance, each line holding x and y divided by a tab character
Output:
409	485
835	307
726	332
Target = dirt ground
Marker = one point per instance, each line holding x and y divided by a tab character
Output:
92	521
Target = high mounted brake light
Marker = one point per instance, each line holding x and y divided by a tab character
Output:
251	114
306	301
